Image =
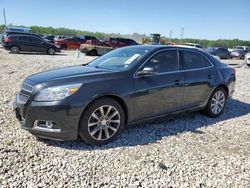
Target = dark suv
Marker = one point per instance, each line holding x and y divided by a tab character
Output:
96	101
28	43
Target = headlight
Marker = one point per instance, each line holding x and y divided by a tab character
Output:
57	93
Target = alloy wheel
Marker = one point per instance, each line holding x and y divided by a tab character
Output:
104	122
218	102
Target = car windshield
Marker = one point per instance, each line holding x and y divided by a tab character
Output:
122	58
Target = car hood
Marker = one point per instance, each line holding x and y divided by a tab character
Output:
66	72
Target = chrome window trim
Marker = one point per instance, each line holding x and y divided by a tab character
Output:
171	72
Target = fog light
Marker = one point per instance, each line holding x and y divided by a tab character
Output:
49	124
45	124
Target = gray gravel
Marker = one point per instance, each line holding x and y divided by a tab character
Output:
186	150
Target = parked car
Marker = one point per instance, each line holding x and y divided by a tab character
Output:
223	53
49	38
28	43
248	59
86	37
7	33
69	43
95	48
119	42
126	85
246	48
239	54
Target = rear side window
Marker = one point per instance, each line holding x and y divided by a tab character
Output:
162	62
192	60
24	38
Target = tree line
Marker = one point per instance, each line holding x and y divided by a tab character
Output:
136	36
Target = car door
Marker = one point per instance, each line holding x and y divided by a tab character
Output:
38	44
162	91
199	75
25	43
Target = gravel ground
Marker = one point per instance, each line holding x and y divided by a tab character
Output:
186	150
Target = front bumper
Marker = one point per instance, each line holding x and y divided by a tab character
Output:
63	115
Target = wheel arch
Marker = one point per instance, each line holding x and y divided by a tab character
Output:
115	97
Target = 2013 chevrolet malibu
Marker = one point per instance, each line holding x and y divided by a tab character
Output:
95	101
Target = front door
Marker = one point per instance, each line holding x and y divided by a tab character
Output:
161	92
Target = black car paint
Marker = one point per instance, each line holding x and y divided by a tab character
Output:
29	46
141	97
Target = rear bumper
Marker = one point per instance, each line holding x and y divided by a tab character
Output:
66	123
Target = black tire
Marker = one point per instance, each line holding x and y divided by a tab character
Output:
64	47
228	56
242	57
51	51
208	110
84	129
14	49
93	53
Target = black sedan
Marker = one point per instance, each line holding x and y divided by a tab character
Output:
130	84
223	53
28	43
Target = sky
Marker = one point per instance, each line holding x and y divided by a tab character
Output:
202	19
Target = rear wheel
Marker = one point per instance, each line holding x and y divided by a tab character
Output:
216	103
102	122
51	51
93	53
14	50
242	57
228	56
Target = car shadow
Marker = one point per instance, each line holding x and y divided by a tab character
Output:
148	132
37	53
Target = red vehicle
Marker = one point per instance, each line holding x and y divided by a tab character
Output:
69	43
119	42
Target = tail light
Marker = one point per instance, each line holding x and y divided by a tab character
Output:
8	39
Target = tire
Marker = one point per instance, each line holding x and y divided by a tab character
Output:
64	47
242	57
213	108
109	125
14	50
228	57
51	51
93	53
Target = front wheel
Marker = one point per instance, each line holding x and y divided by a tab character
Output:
102	122
216	103
51	51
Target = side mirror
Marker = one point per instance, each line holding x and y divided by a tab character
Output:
146	71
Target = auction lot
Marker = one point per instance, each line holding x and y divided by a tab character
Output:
185	150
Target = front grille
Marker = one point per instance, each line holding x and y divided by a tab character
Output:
27	88
22	98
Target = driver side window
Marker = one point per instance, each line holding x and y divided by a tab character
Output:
163	62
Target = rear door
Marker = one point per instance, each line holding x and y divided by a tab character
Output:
199	76
25	43
160	93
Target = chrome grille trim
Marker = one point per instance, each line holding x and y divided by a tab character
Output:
26	87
